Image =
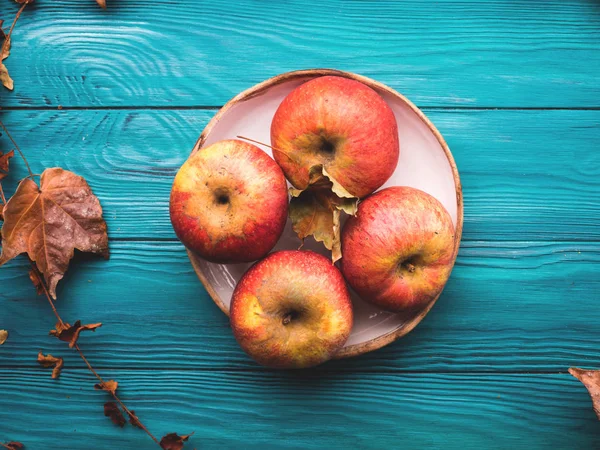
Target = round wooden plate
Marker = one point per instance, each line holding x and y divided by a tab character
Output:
425	163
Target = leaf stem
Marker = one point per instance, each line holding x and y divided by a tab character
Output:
85	360
13	141
5	446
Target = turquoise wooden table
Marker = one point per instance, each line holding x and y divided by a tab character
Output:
120	96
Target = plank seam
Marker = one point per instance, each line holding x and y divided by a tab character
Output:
311	372
217	107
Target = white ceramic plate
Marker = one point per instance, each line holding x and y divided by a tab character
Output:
425	163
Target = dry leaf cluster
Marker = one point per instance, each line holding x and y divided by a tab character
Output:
591	381
5	78
13	445
315	211
3	336
47	223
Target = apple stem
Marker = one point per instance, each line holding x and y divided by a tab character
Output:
258	142
267	145
287	319
410	267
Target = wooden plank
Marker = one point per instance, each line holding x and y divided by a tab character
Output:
303	410
467	53
527	175
508	307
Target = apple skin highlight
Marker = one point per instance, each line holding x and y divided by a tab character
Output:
229	202
341	124
398	251
291	310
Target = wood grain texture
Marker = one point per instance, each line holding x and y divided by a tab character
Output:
487	367
303	410
509	307
468	53
526	175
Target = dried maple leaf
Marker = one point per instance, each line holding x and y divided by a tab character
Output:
70	333
3	336
112	410
173	441
14	445
108	386
35	279
4	157
50	222
315	211
102	3
133	419
51	361
591	381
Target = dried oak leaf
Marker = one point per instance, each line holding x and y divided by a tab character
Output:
591	381
315	211
101	3
14	445
35	279
50	222
112	410
3	336
173	441
4	157
133	420
51	361
70	333
108	386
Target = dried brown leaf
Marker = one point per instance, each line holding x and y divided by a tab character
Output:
102	3
3	336
108	386
51	361
14	445
173	441
70	333
133	419
5	52
112	410
591	381
4	157
315	211
2	33
50	222
35	279
5	78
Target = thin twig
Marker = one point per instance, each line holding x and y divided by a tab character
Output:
15	144
85	360
15	22
38	274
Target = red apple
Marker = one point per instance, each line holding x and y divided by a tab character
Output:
398	251
291	310
338	123
229	202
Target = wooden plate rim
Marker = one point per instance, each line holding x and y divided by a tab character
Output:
406	327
